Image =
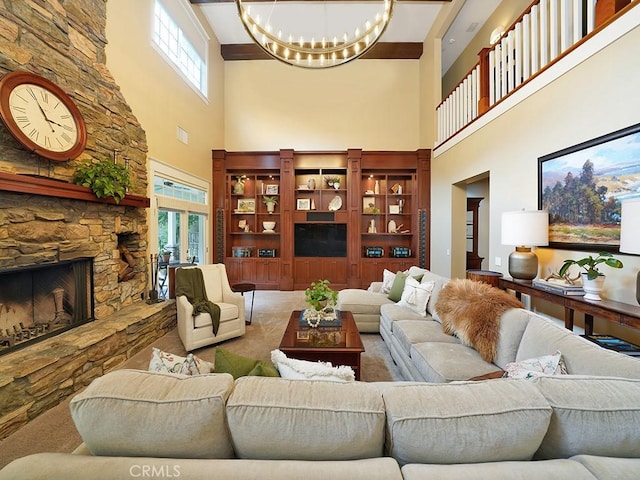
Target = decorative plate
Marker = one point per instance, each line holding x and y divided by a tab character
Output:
335	203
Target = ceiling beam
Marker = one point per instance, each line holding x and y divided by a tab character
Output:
381	50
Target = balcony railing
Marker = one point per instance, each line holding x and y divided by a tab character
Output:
546	31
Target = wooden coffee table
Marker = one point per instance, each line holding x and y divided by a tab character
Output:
339	344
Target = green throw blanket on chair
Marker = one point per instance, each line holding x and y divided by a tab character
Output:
190	283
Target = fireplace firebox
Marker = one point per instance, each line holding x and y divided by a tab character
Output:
37	302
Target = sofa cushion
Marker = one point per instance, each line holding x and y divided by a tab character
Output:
228	312
591	415
547	470
513	323
408	332
359	301
392	312
441	362
64	466
609	468
581	356
416	295
136	413
279	419
465	422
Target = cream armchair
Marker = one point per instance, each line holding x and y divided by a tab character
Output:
196	332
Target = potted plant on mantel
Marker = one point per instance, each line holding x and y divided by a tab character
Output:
105	178
592	278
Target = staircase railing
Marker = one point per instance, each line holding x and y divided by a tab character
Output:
543	33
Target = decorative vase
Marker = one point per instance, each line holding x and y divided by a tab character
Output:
336	185
270	207
238	188
311	183
376	188
593	288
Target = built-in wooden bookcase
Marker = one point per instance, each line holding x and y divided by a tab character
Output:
387	213
347	189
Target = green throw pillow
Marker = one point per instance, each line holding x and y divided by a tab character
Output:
239	366
395	294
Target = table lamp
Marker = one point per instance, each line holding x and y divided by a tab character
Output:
524	229
630	232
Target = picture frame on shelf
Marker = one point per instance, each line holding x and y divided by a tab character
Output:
271	189
597	175
303	204
368	205
246	205
394	209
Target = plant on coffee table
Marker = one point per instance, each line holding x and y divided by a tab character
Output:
321	300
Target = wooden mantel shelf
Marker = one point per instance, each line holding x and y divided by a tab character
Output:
10	182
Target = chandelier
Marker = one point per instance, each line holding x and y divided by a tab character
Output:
314	52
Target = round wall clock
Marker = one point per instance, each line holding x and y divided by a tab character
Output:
41	116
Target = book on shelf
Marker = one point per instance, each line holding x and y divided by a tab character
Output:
556	287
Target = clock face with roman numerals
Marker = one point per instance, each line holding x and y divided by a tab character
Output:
41	116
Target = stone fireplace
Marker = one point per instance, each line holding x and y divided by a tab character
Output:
46	222
42	301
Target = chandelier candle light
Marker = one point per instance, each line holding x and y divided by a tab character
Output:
328	50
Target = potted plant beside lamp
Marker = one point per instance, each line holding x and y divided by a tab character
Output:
592	278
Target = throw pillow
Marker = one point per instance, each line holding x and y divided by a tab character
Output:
240	366
552	364
471	310
387	281
169	363
294	369
395	292
415	295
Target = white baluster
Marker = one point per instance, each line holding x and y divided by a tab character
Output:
544	33
577	20
526	46
554	26
535	39
591	15
518	58
492	76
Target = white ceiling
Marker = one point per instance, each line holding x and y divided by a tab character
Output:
410	22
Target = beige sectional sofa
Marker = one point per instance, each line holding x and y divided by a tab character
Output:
424	353
585	425
139	424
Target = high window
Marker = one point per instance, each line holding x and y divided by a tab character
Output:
182	41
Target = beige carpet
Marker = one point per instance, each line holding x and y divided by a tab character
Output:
54	431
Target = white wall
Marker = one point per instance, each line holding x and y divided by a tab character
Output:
598	96
158	96
368	104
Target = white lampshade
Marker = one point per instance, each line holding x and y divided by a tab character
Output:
630	226
525	227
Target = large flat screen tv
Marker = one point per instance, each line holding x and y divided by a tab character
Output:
320	239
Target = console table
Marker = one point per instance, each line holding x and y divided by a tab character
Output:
616	312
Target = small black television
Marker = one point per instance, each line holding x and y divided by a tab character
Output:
320	239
